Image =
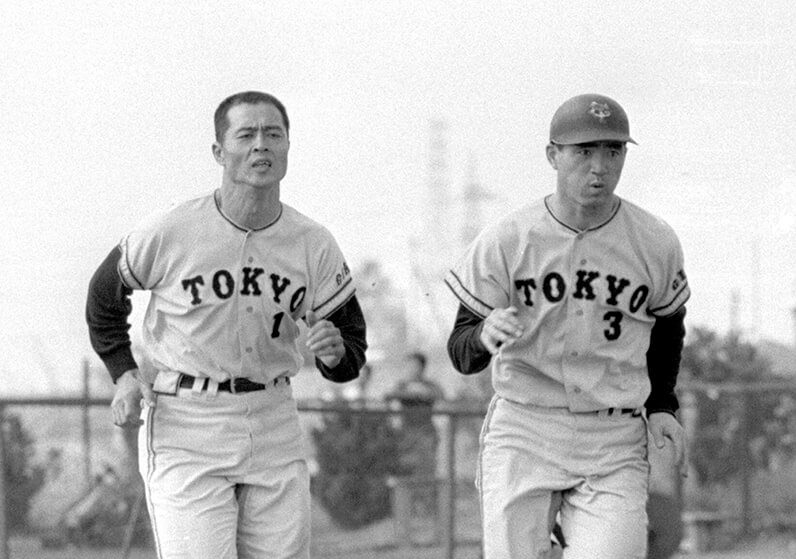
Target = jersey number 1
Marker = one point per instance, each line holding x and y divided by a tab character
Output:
277	321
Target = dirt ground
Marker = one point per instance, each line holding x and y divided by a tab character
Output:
782	546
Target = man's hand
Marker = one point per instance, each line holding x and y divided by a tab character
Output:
126	403
665	429
324	340
500	328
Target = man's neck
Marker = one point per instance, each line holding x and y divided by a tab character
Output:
581	217
250	208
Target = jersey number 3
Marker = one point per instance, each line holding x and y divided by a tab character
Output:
614	330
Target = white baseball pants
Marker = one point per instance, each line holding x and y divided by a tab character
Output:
226	475
590	468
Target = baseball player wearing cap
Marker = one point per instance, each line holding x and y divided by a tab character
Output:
578	302
231	274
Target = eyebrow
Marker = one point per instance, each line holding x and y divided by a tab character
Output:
255	128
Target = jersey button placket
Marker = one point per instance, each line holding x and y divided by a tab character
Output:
570	325
246	311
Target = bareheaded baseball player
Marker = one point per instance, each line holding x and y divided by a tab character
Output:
577	300
230	276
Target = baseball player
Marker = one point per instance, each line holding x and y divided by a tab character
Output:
230	274
577	300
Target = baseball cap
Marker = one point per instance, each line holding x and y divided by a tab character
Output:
589	118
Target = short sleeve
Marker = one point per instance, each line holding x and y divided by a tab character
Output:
334	284
480	278
138	264
673	291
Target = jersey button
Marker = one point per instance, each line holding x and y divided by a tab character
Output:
249	309
583	262
248	350
580	236
574	354
576	390
579	312
251	259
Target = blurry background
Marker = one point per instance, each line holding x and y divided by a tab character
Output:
413	124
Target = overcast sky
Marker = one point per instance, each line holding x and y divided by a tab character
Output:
106	115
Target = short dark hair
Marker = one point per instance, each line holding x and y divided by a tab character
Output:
249	98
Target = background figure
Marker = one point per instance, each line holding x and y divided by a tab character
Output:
418	440
356	391
356	456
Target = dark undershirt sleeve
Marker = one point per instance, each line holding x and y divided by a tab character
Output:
351	322
663	362
465	349
108	307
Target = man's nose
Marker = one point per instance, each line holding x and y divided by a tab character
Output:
260	142
599	163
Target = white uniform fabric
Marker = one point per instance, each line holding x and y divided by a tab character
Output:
218	465
226	474
588	301
592	467
225	301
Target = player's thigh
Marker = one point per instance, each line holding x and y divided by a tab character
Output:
517	525
192	517
517	488
191	500
605	517
274	513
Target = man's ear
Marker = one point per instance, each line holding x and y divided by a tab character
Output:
552	151
218	153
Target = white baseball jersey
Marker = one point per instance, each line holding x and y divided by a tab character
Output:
587	299
225	301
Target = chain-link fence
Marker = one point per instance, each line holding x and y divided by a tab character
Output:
370	499
742	461
385	484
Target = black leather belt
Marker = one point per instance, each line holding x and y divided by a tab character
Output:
239	384
624	411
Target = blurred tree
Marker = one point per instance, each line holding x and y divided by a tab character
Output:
23	478
356	454
729	421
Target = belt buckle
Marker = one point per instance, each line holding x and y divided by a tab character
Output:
232	385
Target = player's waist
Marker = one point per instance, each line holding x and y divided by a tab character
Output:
558	410
168	382
234	385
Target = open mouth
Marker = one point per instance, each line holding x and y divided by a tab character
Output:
261	163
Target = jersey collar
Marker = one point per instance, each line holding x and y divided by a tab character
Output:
598	226
240	227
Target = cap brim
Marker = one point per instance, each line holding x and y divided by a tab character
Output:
589	137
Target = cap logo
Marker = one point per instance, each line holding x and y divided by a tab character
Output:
599	110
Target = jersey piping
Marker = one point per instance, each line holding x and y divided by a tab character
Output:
236	226
465	296
327	301
124	269
595	228
680	298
